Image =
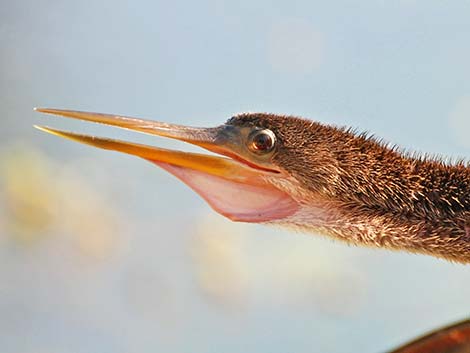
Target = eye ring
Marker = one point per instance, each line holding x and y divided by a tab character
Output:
262	141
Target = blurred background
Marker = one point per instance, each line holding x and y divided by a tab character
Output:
102	252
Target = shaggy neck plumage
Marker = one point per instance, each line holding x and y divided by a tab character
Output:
403	202
384	198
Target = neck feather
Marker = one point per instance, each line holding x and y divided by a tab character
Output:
381	197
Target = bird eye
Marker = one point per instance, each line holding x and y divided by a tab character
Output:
262	141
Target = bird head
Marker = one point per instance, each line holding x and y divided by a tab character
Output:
266	166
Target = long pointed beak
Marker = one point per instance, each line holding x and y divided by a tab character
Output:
234	187
204	137
222	167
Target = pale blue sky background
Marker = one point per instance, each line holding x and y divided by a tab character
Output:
130	260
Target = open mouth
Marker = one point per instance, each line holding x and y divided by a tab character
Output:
233	184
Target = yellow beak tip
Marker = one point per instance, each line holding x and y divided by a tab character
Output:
45	110
52	131
42	128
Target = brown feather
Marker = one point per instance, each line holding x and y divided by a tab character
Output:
376	194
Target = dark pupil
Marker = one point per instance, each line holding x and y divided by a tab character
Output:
262	142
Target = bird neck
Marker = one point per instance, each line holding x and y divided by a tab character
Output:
384	198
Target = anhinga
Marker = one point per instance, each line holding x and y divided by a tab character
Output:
295	172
